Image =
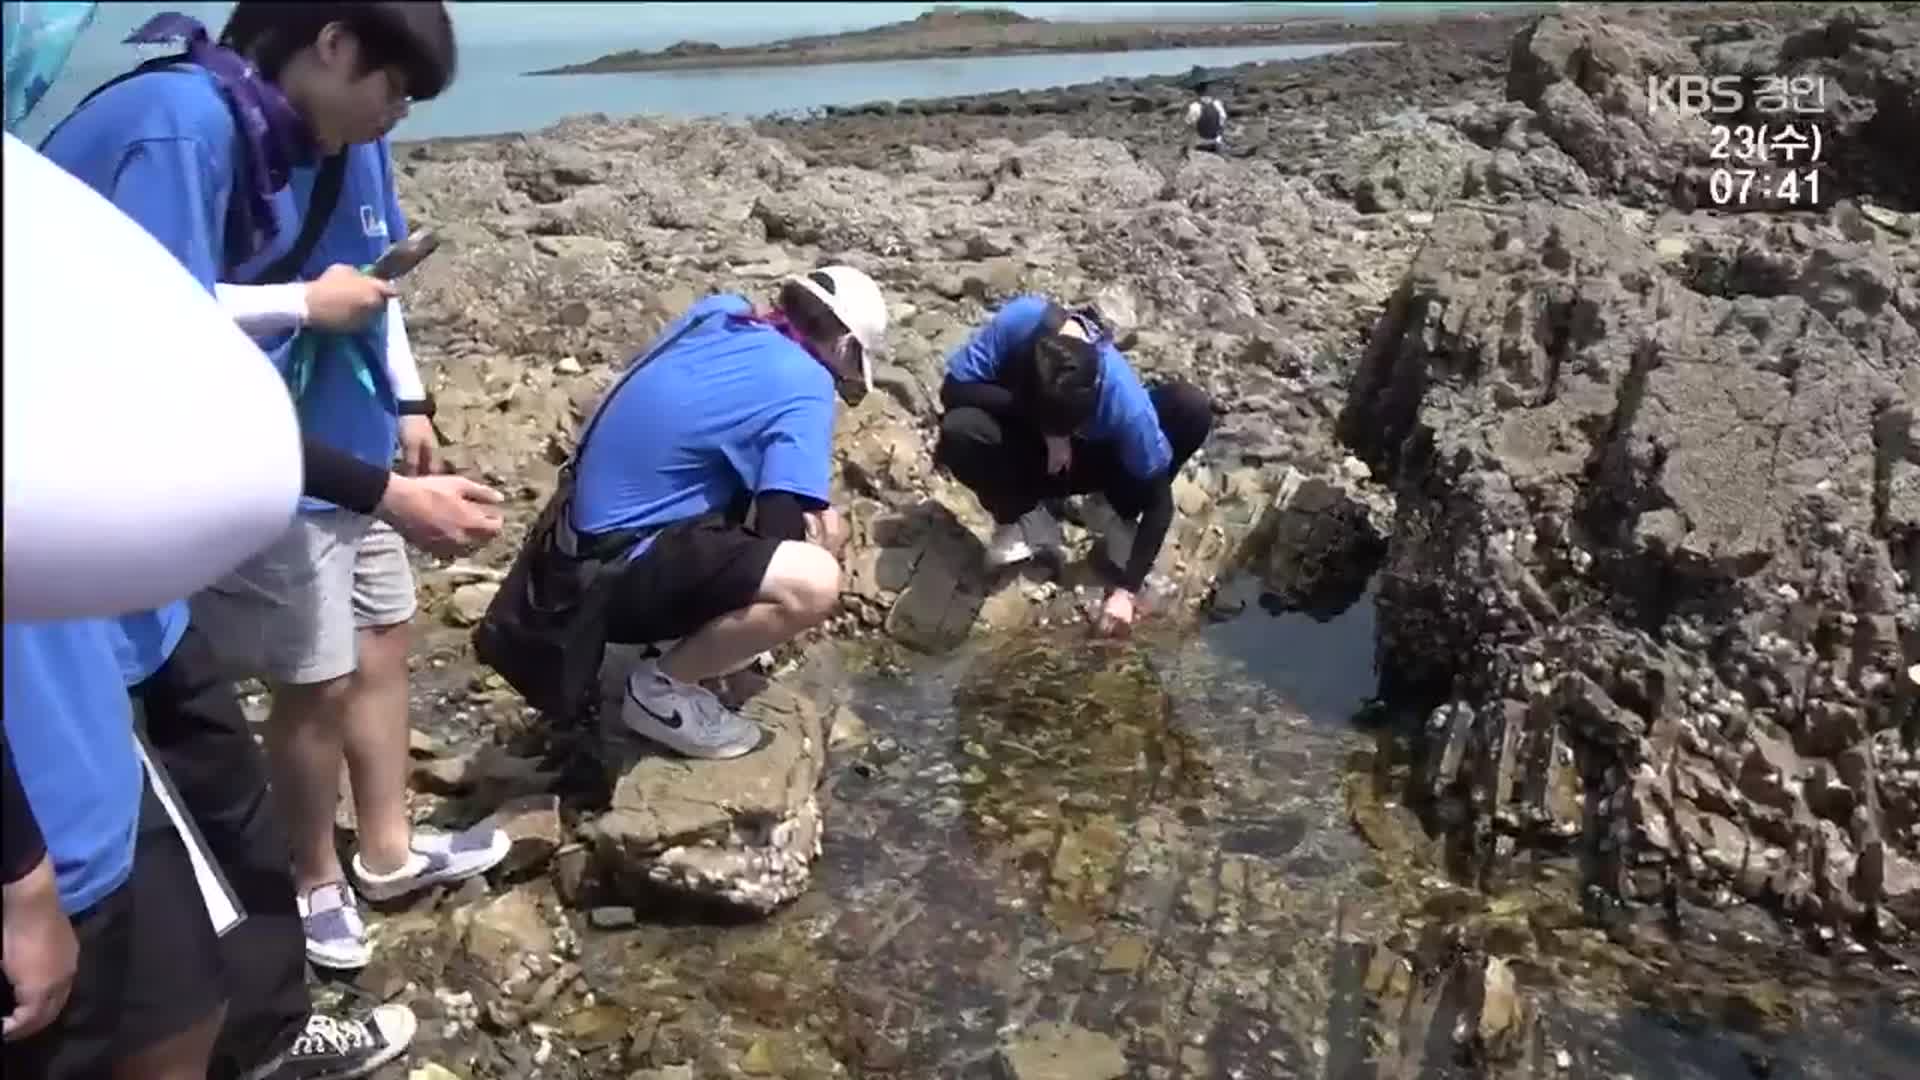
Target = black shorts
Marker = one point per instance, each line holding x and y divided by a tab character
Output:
149	967
694	572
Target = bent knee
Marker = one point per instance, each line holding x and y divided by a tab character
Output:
804	579
968	424
1187	409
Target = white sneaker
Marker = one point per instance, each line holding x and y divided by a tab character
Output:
686	719
1009	547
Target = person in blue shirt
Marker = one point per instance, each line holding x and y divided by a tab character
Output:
213	155
710	464
323	616
1040	405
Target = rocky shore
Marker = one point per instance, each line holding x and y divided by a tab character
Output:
1634	481
956	32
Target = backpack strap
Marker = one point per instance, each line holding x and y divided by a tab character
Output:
580	444
158	63
313	221
326	186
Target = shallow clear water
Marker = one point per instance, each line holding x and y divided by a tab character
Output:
1157	842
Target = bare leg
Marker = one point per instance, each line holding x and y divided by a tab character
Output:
374	730
183	1056
304	749
799	591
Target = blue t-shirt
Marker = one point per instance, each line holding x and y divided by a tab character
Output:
734	408
144	640
339	382
1124	417
163	148
70	730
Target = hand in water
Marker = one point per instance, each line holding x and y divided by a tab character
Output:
441	515
344	300
1059	454
1117	614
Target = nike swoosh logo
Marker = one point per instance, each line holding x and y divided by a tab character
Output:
672	719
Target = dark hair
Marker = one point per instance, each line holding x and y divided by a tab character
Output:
1066	383
810	314
415	37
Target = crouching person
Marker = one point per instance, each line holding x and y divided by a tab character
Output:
694	512
1041	405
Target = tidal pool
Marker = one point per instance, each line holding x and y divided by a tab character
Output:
1150	858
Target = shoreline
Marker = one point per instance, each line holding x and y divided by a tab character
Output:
995	33
887	107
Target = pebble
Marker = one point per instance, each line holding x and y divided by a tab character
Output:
612	918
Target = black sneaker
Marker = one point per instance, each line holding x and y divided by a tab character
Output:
336	1049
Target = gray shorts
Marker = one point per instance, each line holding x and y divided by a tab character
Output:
291	613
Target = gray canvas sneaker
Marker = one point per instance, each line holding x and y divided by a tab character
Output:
336	930
689	720
436	859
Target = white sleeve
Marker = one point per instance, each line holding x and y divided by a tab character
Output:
264	309
1193	113
402	369
150	447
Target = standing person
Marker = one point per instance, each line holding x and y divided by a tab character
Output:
111	963
1040	405
701	515
200	152
147	991
324	614
1207	116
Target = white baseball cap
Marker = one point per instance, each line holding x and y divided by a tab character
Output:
855	300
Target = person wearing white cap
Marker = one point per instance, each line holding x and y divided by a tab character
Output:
700	501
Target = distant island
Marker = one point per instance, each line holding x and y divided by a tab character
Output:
951	32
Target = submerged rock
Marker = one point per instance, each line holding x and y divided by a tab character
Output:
1063	1052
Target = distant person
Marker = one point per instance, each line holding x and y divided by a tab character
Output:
700	515
1041	405
1208	119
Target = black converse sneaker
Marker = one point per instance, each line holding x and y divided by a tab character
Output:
335	1049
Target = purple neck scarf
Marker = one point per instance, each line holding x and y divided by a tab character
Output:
274	138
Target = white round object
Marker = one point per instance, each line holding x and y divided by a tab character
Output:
150	446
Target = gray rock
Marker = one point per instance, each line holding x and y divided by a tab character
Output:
612	918
742	832
1574	463
532	823
469	603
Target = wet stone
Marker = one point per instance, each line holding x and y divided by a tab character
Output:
1060	1052
612	918
1124	956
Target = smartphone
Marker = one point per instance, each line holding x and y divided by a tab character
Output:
400	259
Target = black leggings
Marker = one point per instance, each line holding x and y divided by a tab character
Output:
1004	462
